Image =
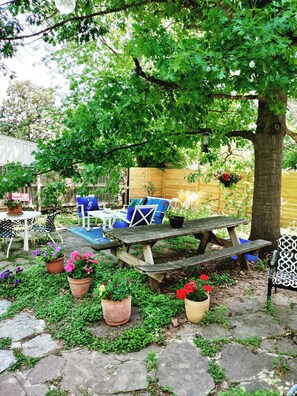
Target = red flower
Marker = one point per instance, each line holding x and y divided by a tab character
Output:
194	283
226	176
181	294
207	288
189	288
203	277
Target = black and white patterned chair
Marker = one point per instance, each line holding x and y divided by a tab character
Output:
7	232
47	227
283	265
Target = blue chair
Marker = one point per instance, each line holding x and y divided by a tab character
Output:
162	207
85	205
138	215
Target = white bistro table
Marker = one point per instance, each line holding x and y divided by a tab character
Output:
106	215
25	216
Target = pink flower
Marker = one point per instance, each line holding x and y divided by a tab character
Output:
70	266
75	255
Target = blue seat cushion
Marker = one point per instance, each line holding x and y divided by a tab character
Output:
89	203
120	224
249	257
163	205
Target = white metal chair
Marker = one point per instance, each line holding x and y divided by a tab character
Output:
283	265
139	215
7	232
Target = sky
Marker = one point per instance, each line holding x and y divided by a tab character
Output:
28	65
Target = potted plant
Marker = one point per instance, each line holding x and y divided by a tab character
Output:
228	178
175	215
52	254
115	297
10	278
196	296
14	207
80	269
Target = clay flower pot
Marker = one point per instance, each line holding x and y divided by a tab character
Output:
15	211
79	287
55	266
116	313
195	310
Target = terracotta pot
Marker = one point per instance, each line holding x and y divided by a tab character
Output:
79	287
15	211
176	221
195	310
55	266
116	313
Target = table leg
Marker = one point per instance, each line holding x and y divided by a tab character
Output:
235	242
26	236
148	257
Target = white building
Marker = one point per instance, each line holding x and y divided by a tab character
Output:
13	149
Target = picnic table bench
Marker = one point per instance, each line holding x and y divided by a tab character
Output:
202	229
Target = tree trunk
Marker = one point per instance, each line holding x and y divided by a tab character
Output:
268	146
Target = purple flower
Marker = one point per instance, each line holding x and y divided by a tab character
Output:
36	253
18	269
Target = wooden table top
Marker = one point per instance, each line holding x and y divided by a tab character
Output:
156	232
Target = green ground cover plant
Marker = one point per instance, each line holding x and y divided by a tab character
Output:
216	372
49	297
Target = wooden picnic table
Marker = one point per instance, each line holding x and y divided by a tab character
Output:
202	229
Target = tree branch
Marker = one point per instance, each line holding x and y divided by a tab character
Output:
152	79
292	134
234	97
248	134
83	17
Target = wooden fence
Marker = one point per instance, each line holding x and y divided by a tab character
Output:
237	200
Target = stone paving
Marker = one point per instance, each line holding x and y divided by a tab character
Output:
180	366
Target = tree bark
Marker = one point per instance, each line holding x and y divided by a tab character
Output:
268	146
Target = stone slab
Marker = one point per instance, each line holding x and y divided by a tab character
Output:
241	364
183	357
255	324
7	358
4	305
40	346
20	326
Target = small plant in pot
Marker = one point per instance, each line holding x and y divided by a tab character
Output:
14	206
195	293
115	297
80	268
175	215
51	254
